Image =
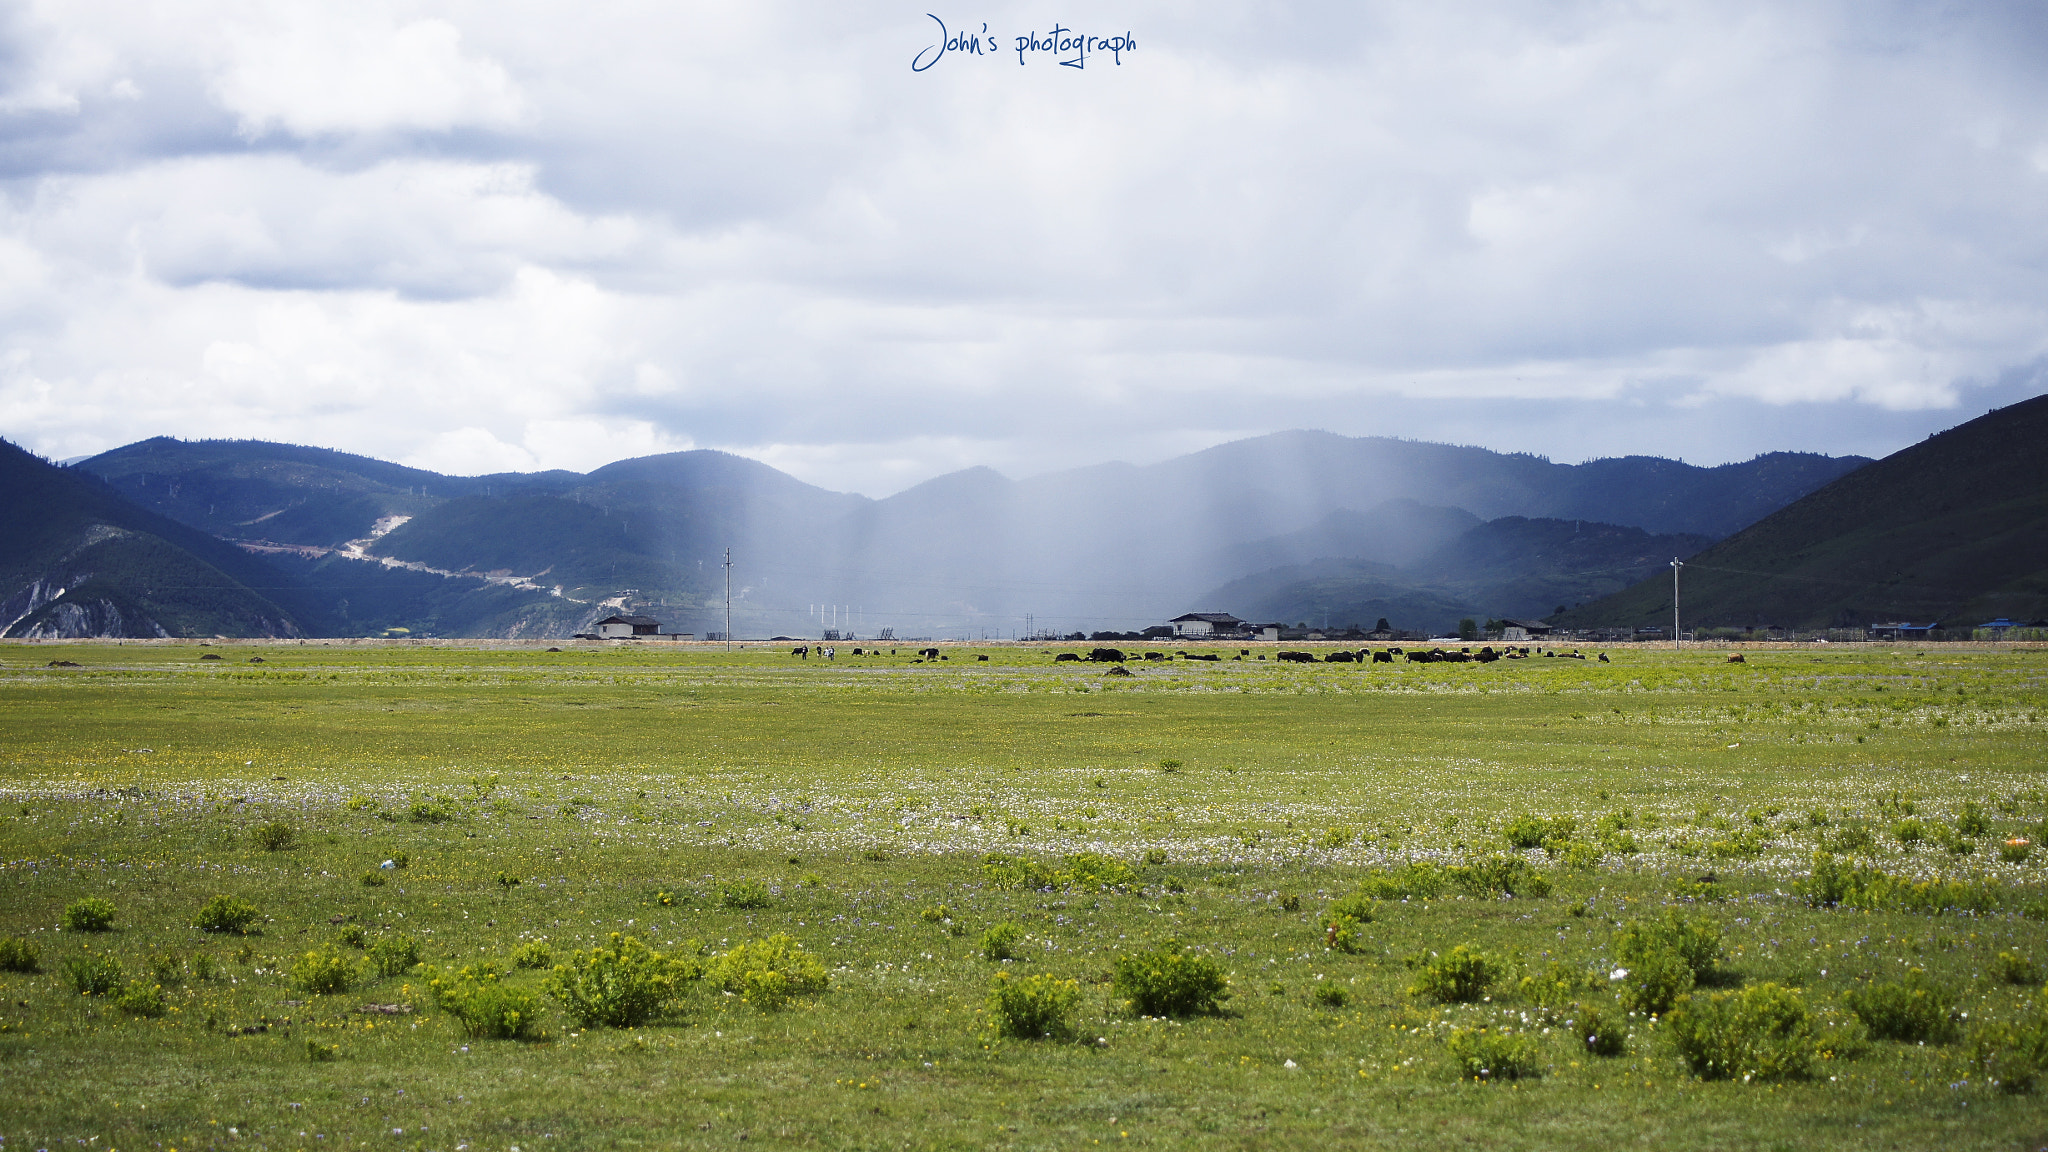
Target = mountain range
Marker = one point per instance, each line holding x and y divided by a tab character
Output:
1290	526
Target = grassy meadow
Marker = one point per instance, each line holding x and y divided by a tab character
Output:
1322	837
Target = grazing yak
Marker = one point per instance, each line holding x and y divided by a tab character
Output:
1065	656
801	650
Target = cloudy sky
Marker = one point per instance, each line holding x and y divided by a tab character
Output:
507	235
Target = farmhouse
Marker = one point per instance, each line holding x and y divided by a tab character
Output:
628	628
1902	630
1523	630
1197	625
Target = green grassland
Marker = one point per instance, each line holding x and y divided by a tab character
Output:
696	800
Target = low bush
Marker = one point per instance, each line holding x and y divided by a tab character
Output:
374	878
1526	831
91	914
1011	872
745	894
533	954
1833	883
1763	1032
395	955
1455	977
508	880
2006	967
622	984
276	836
1085	871
769	973
354	936
1419	879
319	1053
1001	940
1654	983
483	1004
1909	832
1345	920
224	914
165	969
1916	1008
323	973
1695	940
1493	1054
1499	876
1155	857
1578	854
434	810
94	974
2012	1054
1602	1035
1032	1007
2015	850
1971	821
142	998
1170	981
1331	994
1850	839
19	954
1557	985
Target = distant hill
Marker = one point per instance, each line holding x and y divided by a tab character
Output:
1514	566
1112	546
76	559
1954	528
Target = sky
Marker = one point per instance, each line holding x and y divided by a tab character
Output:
481	237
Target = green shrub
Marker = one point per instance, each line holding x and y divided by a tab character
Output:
1345	920
485	1006
1526	831
1853	839
224	914
1970	821
1557	985
533	954
19	954
94	974
395	955
1500	876
1762	1032
165	969
276	836
436	810
623	984
1909	832
1914	1009
1420	879
2006	967
1578	854
1331	994
1493	1054
2012	1053
1032	1007
745	894
2015	850
354	936
1603	1035
508	880
1170	981
318	1053
202	967
1155	857
1694	939
1001	940
374	878
1705	890
1010	872
1094	872
1654	982
769	973
91	914
1455	977
142	998
323	973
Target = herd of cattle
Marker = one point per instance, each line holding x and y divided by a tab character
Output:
1485	655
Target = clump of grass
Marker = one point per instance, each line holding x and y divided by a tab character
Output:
1526	831
1155	857
1971	821
1763	1032
769	973
276	836
374	878
19	954
318	1053
1000	941
1499	876
1458	976
622	984
1345	920
1032	1007
395	955
2009	968
225	914
1331	994
508	880
354	936
1705	890
1490	1054
431	810
92	914
485	1006
1170	981
2013	1054
142	998
1914	1009
1084	871
745	894
533	954
1909	832
94	974
1557	985
1603	1035
1850	840
1169	765
203	968
2015	850
164	968
1419	879
1662	960
323	973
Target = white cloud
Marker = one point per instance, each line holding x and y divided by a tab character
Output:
476	234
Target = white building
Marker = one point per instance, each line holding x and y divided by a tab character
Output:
1200	625
628	628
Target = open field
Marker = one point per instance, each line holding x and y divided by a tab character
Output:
695	800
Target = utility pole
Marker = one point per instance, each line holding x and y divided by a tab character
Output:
1676	564
728	599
